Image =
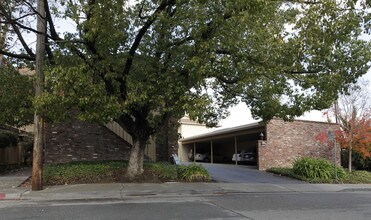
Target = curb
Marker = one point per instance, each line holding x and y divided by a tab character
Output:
10	196
13	194
122	197
119	191
356	190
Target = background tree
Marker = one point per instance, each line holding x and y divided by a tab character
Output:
354	115
143	62
16	92
361	152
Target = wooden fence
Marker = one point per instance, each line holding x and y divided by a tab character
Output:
12	155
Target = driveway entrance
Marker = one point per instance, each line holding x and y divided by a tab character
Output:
229	173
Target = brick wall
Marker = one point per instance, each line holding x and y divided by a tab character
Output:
286	141
166	140
79	141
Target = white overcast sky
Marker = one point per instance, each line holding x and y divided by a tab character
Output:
240	114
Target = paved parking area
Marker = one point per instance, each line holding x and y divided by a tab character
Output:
230	173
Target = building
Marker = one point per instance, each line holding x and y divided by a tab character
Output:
275	144
75	140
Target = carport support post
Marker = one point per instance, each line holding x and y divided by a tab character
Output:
235	148
211	152
194	152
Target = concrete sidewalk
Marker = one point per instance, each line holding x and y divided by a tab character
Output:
134	190
10	183
10	189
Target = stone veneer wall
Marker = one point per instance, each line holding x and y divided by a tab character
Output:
287	141
83	141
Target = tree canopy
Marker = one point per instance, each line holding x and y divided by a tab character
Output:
139	62
16	92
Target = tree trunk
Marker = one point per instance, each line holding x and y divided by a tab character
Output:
350	157
37	165
350	148
135	166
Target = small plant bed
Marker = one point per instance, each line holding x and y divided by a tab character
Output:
357	177
314	170
115	172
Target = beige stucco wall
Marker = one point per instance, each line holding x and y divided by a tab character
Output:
186	129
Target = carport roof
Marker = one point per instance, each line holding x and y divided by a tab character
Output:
225	131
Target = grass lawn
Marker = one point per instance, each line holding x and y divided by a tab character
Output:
354	177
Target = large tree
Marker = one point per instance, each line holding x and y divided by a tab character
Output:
141	62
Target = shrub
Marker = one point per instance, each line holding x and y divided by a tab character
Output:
314	168
80	172
8	139
193	173
164	171
359	162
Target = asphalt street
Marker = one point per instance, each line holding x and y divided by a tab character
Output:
339	205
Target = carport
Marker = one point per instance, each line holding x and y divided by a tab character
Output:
223	143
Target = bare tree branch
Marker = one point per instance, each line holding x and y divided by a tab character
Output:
138	38
303	72
24	16
16	30
19	56
49	19
227	81
33	9
308	2
141	11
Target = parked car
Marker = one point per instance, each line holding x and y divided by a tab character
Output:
206	157
244	157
